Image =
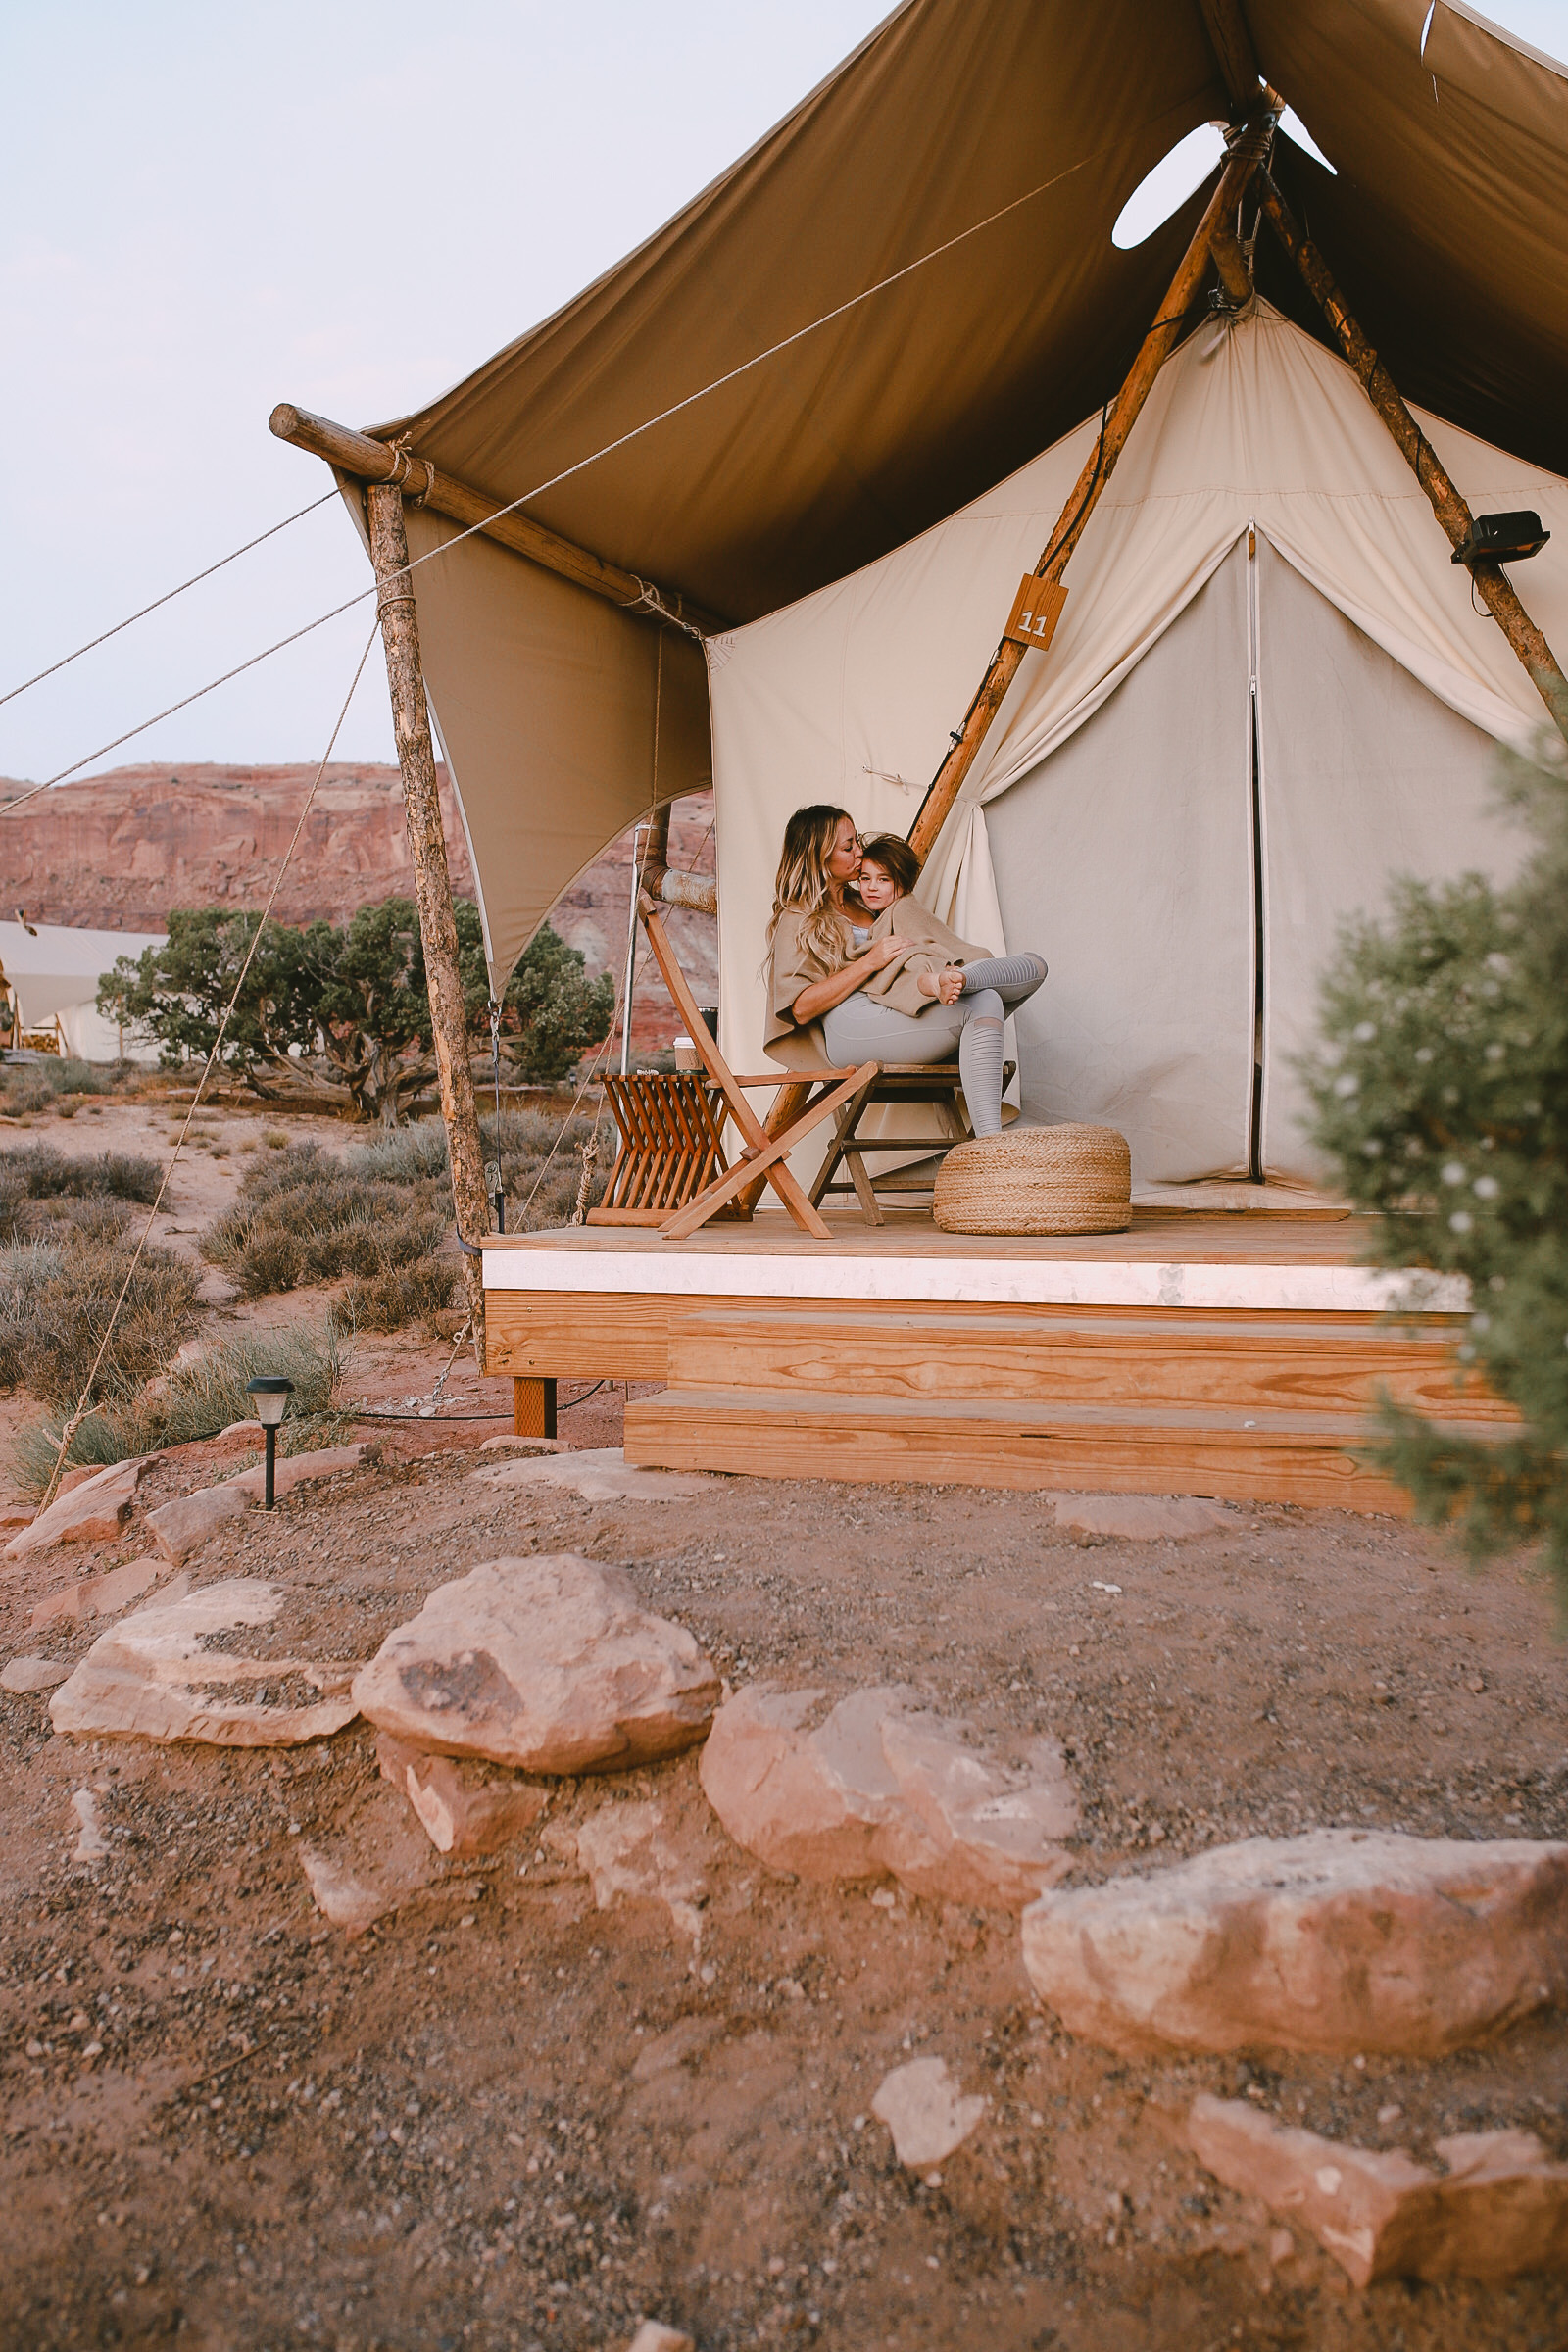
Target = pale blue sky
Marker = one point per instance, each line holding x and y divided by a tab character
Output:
205	210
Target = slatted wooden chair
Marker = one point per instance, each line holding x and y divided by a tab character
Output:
671	1170
904	1084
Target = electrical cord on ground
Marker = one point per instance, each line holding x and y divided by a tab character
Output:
166	598
84	1401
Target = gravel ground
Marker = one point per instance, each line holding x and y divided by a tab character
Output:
505	2118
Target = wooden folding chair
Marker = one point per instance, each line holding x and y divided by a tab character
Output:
905	1083
762	1157
671	1147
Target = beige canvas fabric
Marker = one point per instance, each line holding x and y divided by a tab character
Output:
883	415
847	696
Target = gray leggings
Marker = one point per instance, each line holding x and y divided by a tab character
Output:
861	1029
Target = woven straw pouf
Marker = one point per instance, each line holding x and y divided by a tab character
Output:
1072	1179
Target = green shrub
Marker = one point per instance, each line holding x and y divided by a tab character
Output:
1440	1091
301	1218
55	1305
197	1400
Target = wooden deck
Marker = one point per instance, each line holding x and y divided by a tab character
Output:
1232	1354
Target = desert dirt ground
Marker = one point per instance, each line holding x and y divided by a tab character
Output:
505	2118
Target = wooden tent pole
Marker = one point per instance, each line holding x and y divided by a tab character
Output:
1249	146
1494	587
432	881
372	461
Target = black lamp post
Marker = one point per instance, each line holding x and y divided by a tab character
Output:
272	1394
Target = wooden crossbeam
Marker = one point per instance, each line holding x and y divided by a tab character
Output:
372	461
1494	589
1247	148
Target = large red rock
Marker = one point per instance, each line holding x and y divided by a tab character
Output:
465	1808
1341	1940
550	1665
93	1511
1499	2209
878	1787
152	1676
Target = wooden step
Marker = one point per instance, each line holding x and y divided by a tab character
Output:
1272	1457
1285	1363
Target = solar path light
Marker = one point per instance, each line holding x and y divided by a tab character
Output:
272	1394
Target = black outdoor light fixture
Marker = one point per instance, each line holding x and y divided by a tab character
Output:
1502	539
272	1394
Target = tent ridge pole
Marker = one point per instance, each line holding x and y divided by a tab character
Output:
432	879
371	461
1247	147
1495	588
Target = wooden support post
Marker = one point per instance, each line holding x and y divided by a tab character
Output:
428	853
372	461
1247	147
534	1409
1231	262
1494	589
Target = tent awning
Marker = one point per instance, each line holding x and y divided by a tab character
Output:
1447	224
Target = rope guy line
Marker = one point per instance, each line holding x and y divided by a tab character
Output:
83	1402
167	598
608	448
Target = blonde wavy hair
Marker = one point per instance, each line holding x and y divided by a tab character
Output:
803	884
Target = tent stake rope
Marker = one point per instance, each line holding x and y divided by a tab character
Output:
84	1401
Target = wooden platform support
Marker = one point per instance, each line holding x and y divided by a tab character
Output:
1247	147
371	461
534	1409
432	881
1494	589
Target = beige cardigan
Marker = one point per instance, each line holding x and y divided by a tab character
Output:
793	964
900	987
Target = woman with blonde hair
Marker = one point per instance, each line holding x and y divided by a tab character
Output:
824	956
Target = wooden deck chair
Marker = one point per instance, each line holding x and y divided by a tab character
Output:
762	1157
904	1083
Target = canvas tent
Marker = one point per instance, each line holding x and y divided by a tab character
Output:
52	973
872	347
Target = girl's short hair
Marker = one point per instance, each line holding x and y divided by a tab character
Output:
895	859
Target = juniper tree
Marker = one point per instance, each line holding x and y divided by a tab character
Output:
1440	1091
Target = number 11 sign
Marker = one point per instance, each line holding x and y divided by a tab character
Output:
1036	611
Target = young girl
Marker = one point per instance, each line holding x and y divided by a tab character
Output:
872	1008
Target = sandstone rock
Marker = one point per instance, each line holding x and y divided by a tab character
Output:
91	1844
624	1851
877	1786
1142	1518
654	2336
92	1512
596	1474
550	1665
924	2109
465	1808
14	1515
374	1863
1501	2208
1341	1940
508	1442
100	1595
182	1528
150	1676
22	1674
298	1470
